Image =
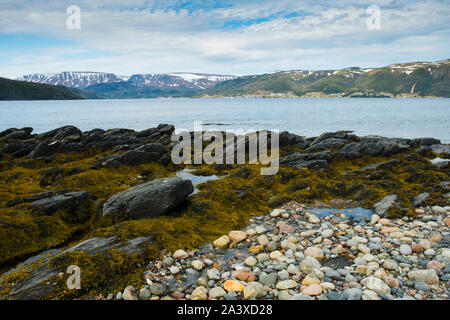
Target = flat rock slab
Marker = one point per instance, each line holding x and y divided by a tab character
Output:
67	201
382	207
150	199
36	285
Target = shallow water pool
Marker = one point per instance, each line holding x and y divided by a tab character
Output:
196	180
355	214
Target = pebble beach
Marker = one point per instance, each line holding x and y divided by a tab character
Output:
292	254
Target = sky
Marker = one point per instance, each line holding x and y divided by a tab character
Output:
220	37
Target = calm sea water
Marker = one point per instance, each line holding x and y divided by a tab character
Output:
407	118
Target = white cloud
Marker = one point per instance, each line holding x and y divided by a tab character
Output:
162	39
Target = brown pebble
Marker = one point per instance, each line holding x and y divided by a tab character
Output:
246	276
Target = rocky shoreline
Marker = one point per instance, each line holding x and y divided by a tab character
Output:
111	203
292	254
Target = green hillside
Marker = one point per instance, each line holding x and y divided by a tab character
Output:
19	90
408	79
127	90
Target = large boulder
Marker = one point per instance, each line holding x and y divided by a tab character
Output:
18	134
150	199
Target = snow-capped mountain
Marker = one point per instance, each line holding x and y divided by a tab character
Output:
182	80
79	80
82	80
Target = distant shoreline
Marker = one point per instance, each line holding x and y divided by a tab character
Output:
235	97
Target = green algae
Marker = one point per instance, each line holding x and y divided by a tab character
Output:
219	206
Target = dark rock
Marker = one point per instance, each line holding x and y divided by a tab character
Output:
299	160
340	135
161	129
153	148
26	150
14	133
290	139
60	133
134	157
150	199
20	149
12	147
120	131
7	131
18	135
425	141
106	142
337	263
148	153
49	148
165	128
94	131
67	201
376	147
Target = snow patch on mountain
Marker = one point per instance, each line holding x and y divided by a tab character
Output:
75	79
82	80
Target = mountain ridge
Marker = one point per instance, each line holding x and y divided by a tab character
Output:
411	79
84	79
407	79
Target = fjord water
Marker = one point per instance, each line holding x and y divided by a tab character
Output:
403	117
